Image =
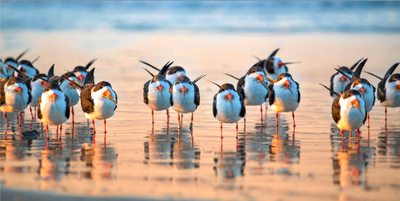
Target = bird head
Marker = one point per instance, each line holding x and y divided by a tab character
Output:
18	90
108	95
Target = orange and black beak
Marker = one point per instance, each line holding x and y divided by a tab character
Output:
229	97
356	104
398	86
280	64
287	84
18	90
72	85
260	78
183	90
53	97
343	79
362	90
23	70
80	78
43	82
8	67
108	95
160	87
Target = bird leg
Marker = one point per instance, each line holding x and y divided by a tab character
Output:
5	116
152	116
179	121
262	119
94	129
73	114
35	112
221	131
191	123
266	109
60	130
20	118
358	135
277	123
341	132
105	129
237	130
294	123
167	116
368	118
47	131
385	116
30	109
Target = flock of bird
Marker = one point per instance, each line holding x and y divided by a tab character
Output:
268	79
53	96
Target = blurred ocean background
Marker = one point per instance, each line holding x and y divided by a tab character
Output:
204	16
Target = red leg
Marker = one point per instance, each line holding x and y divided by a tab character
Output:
20	119
179	121
237	130
30	109
152	116
47	131
341	132
262	119
358	134
221	132
277	123
105	133
35	113
60	130
73	114
294	123
266	109
5	116
167	116
105	129
94	129
368	118
385	116
191	122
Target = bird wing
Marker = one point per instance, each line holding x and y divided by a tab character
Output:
240	85
271	94
39	111
381	90
215	105
336	110
196	95
146	92
86	99
298	91
331	87
116	99
243	108
67	109
2	91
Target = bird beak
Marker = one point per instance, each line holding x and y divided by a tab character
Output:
44	83
18	90
160	87
357	105
183	90
362	90
287	84
72	85
108	95
53	97
398	87
23	70
229	97
343	78
260	78
8	67
280	64
80	78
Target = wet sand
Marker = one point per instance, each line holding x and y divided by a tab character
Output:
308	163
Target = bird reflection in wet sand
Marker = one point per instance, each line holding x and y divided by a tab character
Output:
230	164
99	161
283	149
389	144
350	161
11	151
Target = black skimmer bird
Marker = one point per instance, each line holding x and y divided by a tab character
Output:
171	74
339	81
389	89
81	72
228	105
284	95
98	101
53	107
253	87
363	86
27	67
11	62
156	92
185	97
273	66
348	110
69	88
14	96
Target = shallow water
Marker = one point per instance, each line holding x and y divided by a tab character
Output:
308	163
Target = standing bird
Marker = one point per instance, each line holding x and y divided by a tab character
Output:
11	62
171	74
98	101
273	66
339	81
228	105
389	89
26	67
70	90
185	97
348	110
81	72
14	96
284	95
253	87
156	94
363	86
53	107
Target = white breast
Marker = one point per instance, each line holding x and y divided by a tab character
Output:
285	101
53	113
69	91
255	92
103	108
157	101
351	118
225	112
14	102
392	95
37	90
183	104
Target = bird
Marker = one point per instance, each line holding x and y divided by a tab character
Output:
71	90
9	61
171	74
53	107
339	81
185	97
362	85
253	87
348	110
388	92
273	65
81	72
27	67
228	105
156	94
98	101
284	95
